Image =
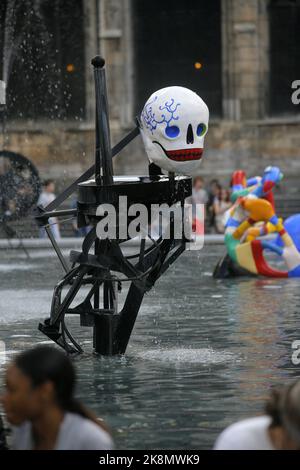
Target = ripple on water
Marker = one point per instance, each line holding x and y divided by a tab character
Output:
7	267
24	304
185	355
214	362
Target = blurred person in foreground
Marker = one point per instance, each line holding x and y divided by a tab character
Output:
39	402
48	195
277	429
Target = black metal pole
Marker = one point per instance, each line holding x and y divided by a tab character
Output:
57	249
90	172
103	163
127	319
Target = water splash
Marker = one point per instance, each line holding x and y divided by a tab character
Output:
13	41
29	43
186	355
9	48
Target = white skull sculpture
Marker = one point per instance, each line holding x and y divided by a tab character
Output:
174	122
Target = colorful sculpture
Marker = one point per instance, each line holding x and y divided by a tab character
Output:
252	217
173	124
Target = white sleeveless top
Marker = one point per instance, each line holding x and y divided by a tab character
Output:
249	434
75	433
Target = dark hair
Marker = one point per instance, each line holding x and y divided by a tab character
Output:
47	364
197	178
227	195
283	407
219	188
47	182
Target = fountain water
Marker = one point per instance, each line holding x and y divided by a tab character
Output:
19	180
10	46
32	58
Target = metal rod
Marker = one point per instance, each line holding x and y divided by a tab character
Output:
103	149
91	171
57	249
61	213
97	285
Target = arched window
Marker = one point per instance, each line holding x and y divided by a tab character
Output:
42	48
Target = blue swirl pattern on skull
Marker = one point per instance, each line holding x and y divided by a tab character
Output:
149	117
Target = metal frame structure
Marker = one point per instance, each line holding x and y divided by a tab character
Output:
102	264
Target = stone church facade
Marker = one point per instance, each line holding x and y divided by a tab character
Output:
253	122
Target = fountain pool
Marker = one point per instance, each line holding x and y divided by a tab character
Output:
203	354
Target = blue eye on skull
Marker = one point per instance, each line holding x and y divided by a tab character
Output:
172	131
201	129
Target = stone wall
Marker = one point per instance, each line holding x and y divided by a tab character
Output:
246	136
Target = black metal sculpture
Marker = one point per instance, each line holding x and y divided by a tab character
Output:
102	264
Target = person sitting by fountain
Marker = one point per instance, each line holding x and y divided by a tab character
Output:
221	205
46	197
213	191
277	429
39	401
198	198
